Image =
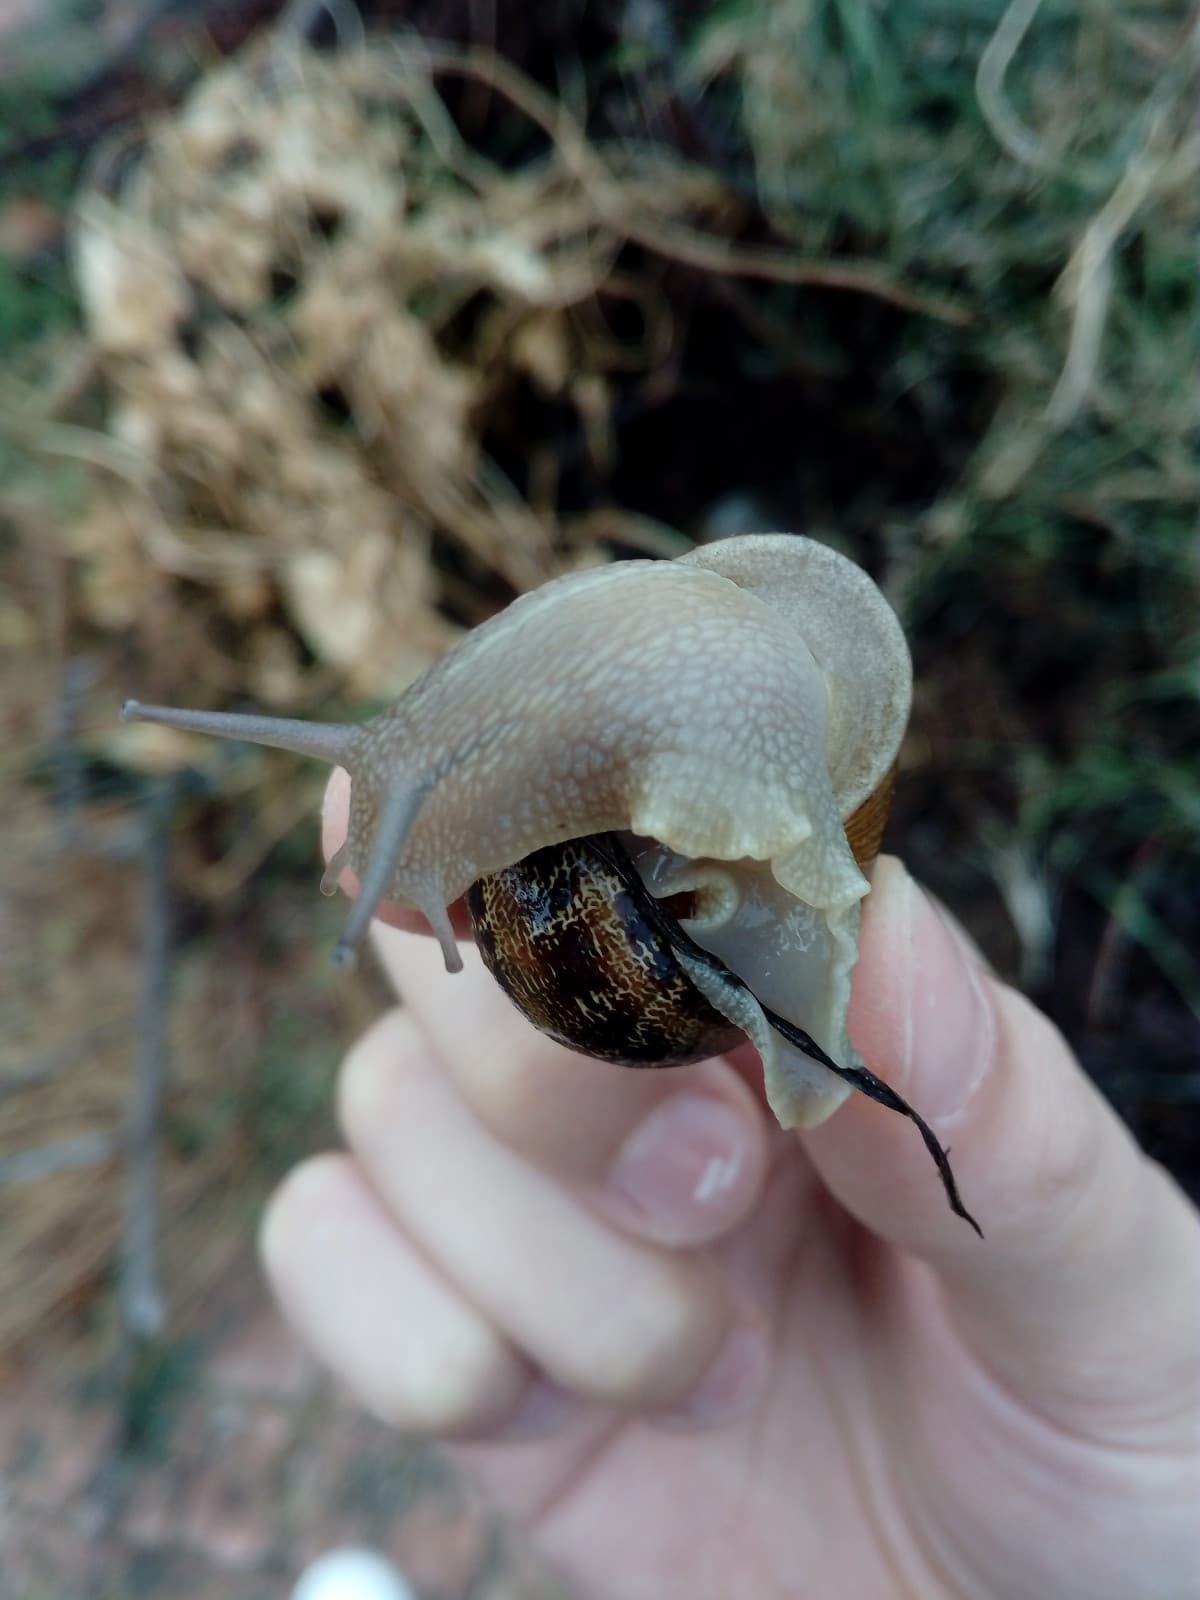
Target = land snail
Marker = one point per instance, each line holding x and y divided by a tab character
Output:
657	783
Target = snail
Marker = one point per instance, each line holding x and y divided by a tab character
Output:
657	782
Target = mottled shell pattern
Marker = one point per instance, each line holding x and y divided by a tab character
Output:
727	712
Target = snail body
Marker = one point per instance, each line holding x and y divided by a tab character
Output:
734	706
731	718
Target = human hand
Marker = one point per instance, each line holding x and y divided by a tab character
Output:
697	1356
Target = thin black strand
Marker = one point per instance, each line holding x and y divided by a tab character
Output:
860	1078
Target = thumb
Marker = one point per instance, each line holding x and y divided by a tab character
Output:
1086	1289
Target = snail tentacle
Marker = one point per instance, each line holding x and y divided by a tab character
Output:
401	804
334	742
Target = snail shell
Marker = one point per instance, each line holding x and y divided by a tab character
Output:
567	938
733	714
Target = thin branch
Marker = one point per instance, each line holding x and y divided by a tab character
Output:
615	205
139	1296
1009	132
61	1155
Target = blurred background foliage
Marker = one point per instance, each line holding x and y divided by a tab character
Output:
327	331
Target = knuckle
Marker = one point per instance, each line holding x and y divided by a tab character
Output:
464	1380
508	1080
371	1079
653	1349
302	1195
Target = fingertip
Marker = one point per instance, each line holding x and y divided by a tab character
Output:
389	1050
878	1014
923	1020
335	812
335	823
920	1011
307	1199
1039	1158
693	1169
377	1312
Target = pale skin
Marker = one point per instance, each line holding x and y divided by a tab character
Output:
696	1356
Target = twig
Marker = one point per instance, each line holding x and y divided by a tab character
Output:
1009	132
138	1290
712	254
78	677
1086	282
65	760
61	1155
612	200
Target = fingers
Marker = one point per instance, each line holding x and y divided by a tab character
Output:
677	1156
447	1271
414	1352
1090	1268
530	1186
603	1315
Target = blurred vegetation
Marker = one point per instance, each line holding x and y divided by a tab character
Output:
1041	164
921	279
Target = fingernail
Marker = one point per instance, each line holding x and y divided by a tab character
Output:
730	1388
544	1411
952	1023
682	1174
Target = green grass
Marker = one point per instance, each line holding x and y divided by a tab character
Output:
1049	185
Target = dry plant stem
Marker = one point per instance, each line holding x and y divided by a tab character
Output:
612	201
1087	282
77	680
65	758
1007	128
1151	172
1023	145
139	1294
860	1078
61	1155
